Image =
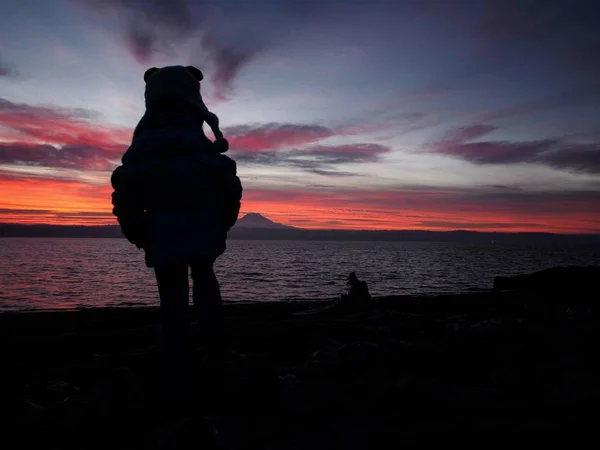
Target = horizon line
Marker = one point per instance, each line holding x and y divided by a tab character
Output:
292	229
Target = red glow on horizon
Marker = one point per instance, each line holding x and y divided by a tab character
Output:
414	211
32	201
59	202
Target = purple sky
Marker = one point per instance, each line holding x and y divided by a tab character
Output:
487	103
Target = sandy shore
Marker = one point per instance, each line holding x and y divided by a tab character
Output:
302	375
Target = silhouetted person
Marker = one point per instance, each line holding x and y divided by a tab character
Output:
358	291
176	197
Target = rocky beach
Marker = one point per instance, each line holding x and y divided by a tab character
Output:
518	364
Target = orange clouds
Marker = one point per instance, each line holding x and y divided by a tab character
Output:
430	210
54	202
76	203
37	142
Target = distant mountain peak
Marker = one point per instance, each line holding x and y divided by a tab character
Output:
256	220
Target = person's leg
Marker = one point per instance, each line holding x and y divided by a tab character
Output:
208	306
173	289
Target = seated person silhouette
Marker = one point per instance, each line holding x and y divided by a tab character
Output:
176	196
358	291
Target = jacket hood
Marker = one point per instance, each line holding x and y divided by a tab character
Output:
173	85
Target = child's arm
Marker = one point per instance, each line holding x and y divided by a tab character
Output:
220	144
213	122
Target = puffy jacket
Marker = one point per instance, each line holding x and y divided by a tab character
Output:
174	195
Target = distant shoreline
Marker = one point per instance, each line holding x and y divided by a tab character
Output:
113	231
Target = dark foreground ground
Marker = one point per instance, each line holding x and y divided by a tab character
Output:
483	369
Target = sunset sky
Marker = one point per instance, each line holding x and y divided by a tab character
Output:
430	114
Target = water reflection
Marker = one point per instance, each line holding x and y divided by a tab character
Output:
67	273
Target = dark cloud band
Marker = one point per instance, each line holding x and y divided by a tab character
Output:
559	153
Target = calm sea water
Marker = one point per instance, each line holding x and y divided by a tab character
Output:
40	273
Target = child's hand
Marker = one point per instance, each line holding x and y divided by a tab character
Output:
221	145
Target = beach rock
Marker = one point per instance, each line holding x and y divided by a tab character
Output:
186	433
109	397
49	394
359	355
402	383
289	381
347	378
26	412
290	392
344	360
565	280
485	326
248	384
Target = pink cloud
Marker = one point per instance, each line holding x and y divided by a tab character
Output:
42	125
52	137
559	153
68	156
257	138
469	132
